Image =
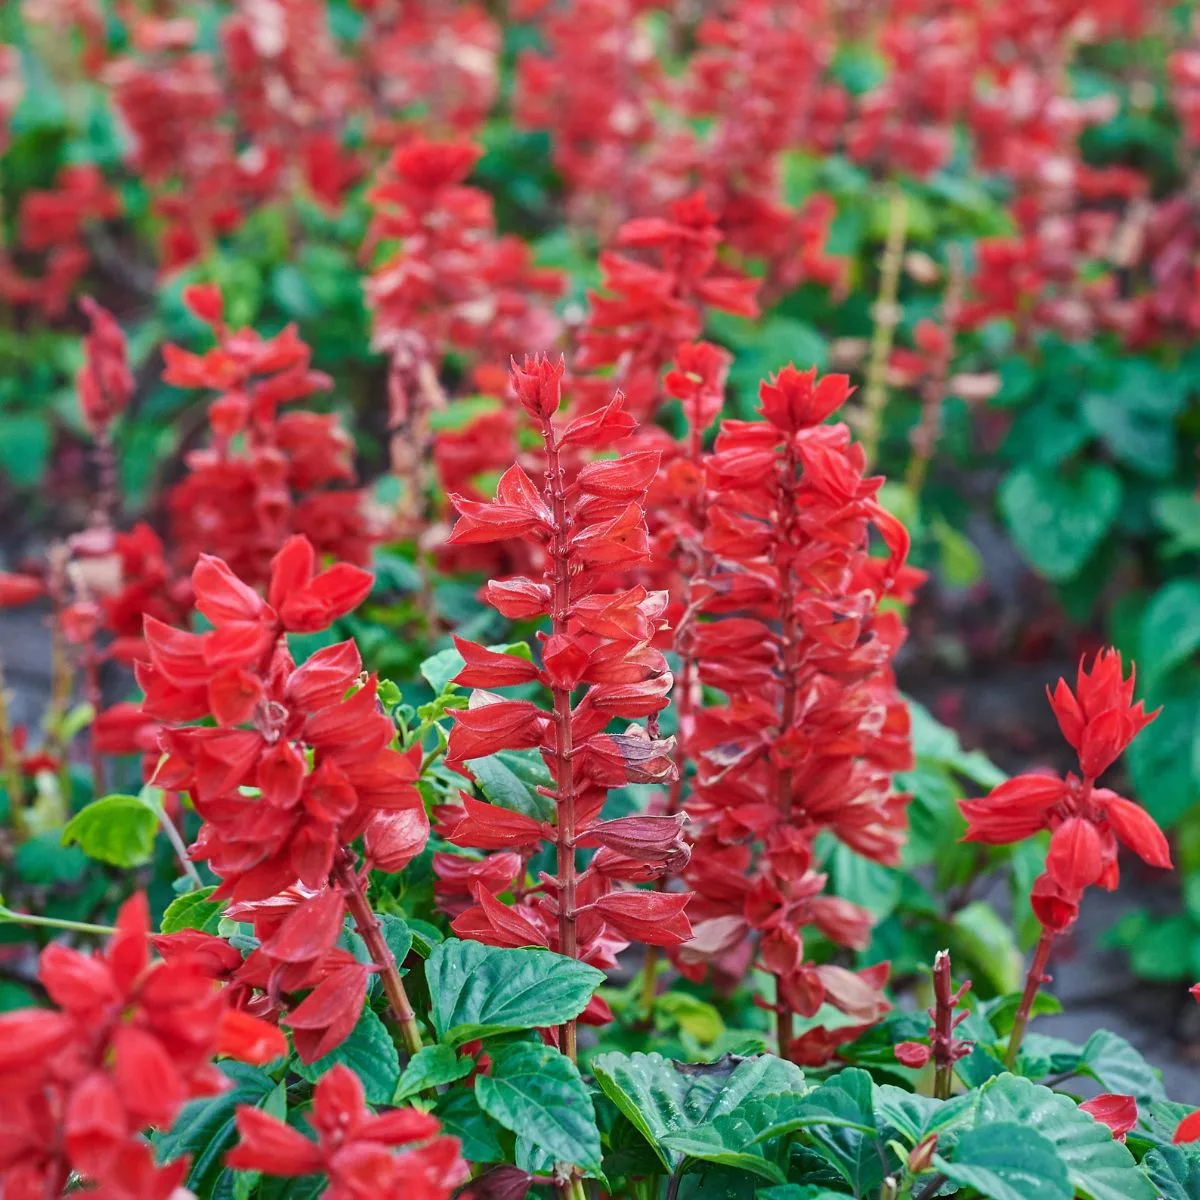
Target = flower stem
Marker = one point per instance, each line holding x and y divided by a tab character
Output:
1033	981
8	916
179	846
345	874
887	317
564	768
649	983
789	669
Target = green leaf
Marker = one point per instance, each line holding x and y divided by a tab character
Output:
461	1117
1143	441
116	829
24	447
205	1129
369	1052
958	560
720	1143
1058	520
988	942
693	1016
538	1093
397	934
1007	1162
479	990
431	1067
662	1098
1119	1068
1178	513
1174	1173
44	860
511	779
1099	1167
1170	631
458	414
438	669
193	910
841	1113
1002	1011
1164	758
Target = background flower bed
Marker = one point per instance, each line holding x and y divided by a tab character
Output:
986	218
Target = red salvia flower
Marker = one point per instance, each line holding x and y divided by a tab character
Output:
356	1150
1099	719
588	528
788	627
130	1040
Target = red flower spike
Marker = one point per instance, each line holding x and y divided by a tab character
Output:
1099	720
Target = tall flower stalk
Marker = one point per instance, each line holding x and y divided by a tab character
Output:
600	645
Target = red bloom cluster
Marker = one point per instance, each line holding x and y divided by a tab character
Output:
591	528
129	1042
813	726
298	765
452	284
441	55
1099	720
310	740
53	223
653	309
355	1148
266	474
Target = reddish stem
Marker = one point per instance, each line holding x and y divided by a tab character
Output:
345	875
787	642
564	767
947	1049
1033	981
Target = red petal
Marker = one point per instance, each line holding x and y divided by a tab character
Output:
221	596
1119	1113
249	1039
1188	1130
1135	827
267	1144
1076	855
292	569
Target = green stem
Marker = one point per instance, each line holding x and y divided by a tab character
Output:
8	916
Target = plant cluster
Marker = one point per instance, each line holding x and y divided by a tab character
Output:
543	816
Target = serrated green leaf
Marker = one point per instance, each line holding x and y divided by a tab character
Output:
1007	1162
1176	1175
369	1052
661	1097
538	1094
1099	1167
431	1067
511	779
115	829
193	910
1119	1068
480	990
461	1117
